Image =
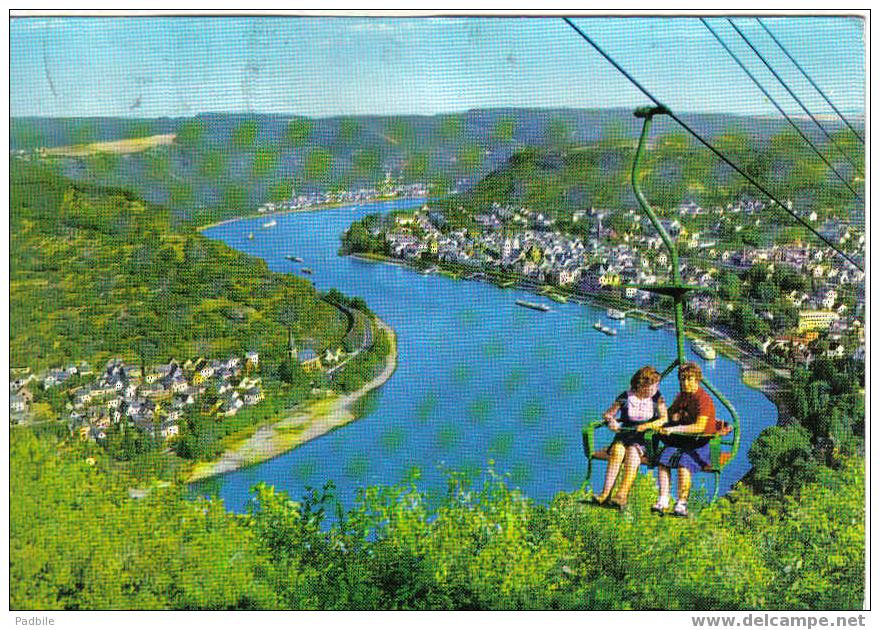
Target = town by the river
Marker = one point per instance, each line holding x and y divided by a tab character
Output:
481	382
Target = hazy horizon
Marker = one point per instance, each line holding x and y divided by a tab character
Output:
326	67
282	114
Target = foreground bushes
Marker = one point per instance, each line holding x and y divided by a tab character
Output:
79	541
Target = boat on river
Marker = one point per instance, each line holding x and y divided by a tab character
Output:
704	349
604	329
533	305
613	313
293	258
306	270
270	224
251	235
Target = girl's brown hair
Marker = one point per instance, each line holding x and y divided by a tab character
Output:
645	376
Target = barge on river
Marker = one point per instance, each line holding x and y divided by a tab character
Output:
704	349
533	305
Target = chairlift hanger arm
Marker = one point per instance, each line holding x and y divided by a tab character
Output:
675	289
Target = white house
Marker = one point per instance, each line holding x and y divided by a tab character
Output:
828	299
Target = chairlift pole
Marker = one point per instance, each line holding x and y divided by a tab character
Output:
676	290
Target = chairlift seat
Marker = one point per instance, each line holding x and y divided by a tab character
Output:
723	458
724	440
719	448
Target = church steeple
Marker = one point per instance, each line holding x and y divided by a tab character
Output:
291	345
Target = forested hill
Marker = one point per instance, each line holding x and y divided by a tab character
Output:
675	169
97	273
486	126
222	165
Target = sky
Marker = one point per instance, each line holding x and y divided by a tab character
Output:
180	66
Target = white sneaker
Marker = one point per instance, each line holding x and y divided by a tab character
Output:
661	506
680	509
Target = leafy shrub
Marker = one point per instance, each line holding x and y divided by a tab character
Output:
783	460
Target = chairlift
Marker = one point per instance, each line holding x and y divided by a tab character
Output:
724	443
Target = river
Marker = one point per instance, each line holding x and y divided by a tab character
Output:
479	378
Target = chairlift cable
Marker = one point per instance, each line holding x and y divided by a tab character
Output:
780	109
813	83
709	146
794	96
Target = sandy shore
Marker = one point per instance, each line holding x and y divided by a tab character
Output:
330	205
314	421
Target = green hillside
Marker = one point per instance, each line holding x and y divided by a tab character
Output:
221	165
675	169
97	273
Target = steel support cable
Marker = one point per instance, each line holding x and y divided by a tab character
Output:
781	111
708	145
793	95
813	83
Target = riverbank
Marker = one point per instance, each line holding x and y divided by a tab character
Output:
311	208
316	419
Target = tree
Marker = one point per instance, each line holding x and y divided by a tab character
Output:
299	130
400	132
416	166
789	279
281	190
192	133
245	134
367	162
291	372
265	161
765	292
744	319
318	164
164	551
285	370
349	130
504	129
213	164
470	157
785	316
358	239
783	460
729	286
756	274
199	438
451	127
558	133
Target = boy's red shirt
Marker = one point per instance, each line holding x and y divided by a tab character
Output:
692	406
